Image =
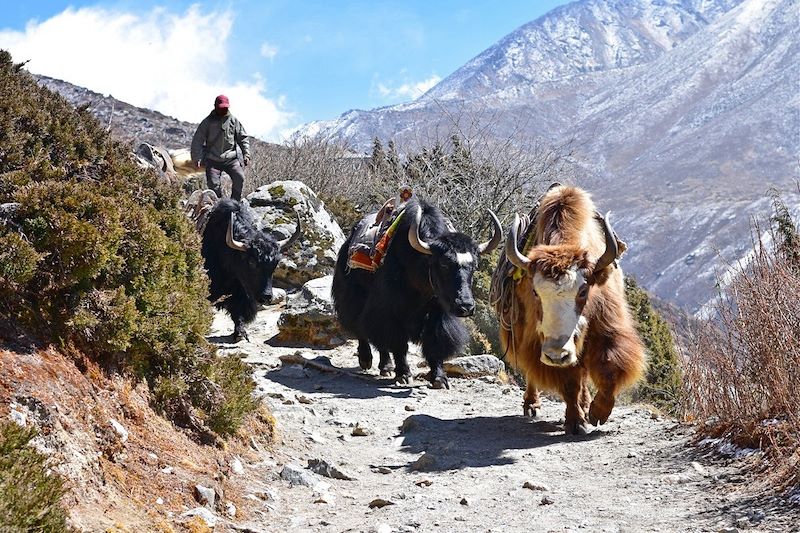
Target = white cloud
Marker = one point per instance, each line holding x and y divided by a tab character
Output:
175	63
269	50
407	90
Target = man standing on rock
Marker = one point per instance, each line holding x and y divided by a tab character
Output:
214	145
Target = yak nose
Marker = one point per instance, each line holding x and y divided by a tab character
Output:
557	352
464	309
557	357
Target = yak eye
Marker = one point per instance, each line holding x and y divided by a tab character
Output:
583	292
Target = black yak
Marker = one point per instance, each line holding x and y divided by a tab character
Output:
423	285
240	260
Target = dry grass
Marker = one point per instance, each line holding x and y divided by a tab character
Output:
742	375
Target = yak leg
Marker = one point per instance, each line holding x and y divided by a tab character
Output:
364	354
385	365
574	421
402	373
531	401
586	396
239	330
607	376
601	406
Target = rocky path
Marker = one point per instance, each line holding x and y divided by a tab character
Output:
465	459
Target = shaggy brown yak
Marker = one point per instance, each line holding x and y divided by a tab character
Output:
572	321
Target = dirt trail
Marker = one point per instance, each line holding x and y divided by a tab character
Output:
632	474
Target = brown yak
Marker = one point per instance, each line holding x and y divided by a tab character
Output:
572	320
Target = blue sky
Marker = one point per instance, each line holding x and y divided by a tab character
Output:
282	62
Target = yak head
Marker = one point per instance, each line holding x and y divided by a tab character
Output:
562	277
453	258
260	254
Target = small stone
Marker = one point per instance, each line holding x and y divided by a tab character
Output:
424	462
119	429
230	510
379	503
632	454
205	495
167	470
345	438
304	399
296	475
423	483
410	408
384	470
546	501
236	466
408	424
535	486
276	395
506	390
700	469
383	528
361	431
204	514
323	468
464	501
160	501
288	402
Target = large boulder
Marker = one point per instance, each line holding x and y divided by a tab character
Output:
314	255
309	318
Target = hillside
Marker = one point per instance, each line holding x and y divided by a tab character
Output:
681	114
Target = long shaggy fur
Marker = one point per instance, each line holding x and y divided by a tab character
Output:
397	303
612	355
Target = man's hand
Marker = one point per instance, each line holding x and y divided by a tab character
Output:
246	161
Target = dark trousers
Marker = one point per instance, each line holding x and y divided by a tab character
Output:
214	169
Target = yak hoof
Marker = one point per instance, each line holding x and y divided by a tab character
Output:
365	363
403	379
577	427
440	382
240	335
386	370
529	410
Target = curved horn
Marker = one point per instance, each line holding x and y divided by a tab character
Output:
286	243
233	243
413	235
612	251
497	236
512	252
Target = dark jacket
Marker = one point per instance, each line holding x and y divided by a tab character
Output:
216	139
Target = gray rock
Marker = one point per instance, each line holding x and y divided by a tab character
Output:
546	500
309	318
474	366
425	462
119	429
207	516
230	510
315	253
205	495
236	466
297	475
379	503
293	371
361	431
323	468
535	486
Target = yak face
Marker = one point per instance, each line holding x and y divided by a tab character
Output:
562	277
256	258
453	258
451	266
257	266
562	327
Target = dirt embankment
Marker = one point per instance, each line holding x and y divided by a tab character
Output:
127	468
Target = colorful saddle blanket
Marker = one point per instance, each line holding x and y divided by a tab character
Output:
373	235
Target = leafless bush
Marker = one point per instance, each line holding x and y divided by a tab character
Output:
743	372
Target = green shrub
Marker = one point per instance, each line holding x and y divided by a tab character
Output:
662	384
232	378
98	255
30	492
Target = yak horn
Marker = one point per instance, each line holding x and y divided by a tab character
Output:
413	235
497	236
512	252
233	243
612	251
286	243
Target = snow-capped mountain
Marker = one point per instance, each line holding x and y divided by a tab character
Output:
683	114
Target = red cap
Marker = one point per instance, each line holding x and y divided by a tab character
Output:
221	101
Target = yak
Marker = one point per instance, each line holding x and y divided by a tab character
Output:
572	322
417	294
240	259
